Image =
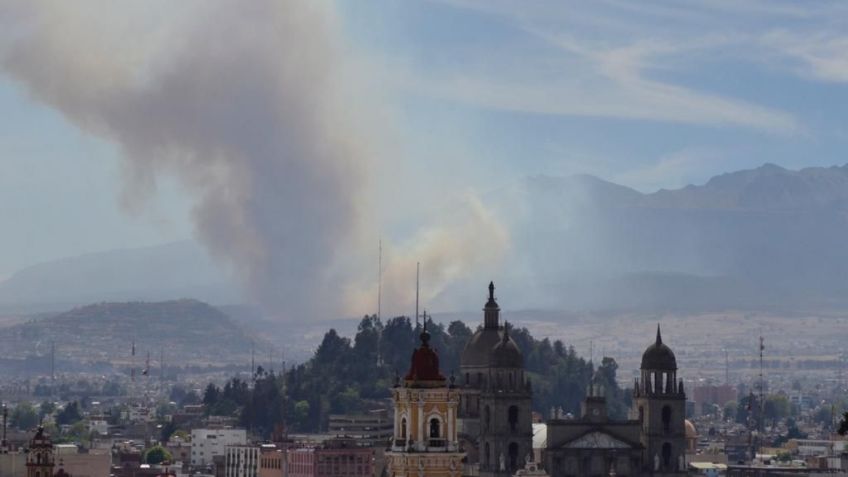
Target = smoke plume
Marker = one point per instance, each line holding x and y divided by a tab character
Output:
253	105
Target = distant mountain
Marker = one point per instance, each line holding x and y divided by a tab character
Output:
188	332
170	271
761	238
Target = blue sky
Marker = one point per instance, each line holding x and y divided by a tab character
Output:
649	94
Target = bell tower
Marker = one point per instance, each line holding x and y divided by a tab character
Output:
425	442
660	405
40	460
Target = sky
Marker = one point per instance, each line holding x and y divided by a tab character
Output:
467	96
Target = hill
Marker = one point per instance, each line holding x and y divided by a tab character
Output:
162	272
188	331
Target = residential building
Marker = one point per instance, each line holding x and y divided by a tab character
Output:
208	443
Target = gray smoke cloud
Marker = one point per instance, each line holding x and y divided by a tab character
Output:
250	104
257	108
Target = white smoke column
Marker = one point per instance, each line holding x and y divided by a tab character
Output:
249	103
473	244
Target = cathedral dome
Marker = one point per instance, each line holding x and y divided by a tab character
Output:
691	433
479	348
658	356
506	354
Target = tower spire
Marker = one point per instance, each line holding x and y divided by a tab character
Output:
659	335
491	310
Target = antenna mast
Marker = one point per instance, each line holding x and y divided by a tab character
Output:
417	273
380	279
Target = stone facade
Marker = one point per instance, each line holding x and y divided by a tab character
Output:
495	410
651	443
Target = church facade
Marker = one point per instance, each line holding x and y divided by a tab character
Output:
495	408
482	424
651	443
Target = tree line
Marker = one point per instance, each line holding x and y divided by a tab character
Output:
350	376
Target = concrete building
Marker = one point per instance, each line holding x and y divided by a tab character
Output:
208	443
272	461
708	395
241	461
333	458
373	429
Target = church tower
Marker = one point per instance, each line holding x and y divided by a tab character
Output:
425	440
496	397
660	405
40	461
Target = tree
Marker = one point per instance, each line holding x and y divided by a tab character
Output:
69	415
24	416
156	455
729	411
776	407
47	408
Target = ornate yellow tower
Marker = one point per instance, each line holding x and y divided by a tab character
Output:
425	437
40	456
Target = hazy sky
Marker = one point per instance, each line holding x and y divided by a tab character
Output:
476	94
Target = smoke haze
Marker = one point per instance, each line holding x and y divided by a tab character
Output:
255	107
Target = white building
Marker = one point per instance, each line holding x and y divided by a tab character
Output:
241	461
208	443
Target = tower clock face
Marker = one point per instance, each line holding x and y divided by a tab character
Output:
596	411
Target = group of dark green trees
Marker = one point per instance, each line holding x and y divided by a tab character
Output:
346	376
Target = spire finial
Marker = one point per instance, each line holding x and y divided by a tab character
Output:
506	332
425	335
659	336
492	290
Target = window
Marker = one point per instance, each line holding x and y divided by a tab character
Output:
487	417
666	455
641	414
434	428
513	456
512	417
666	418
486	454
403	428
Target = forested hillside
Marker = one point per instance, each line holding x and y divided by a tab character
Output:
349	375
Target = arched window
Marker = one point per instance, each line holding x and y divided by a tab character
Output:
666	455
434	428
513	456
487	417
641	414
666	418
403	428
512	417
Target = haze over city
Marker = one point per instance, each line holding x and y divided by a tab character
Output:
209	185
